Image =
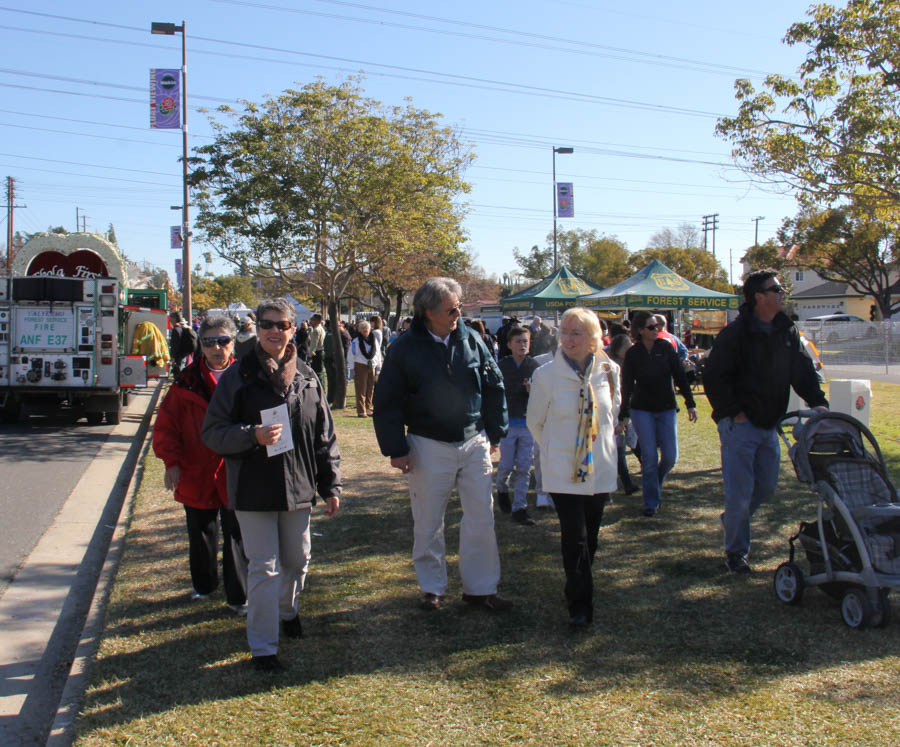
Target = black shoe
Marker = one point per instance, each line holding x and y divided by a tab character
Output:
292	628
268	664
579	621
738	564
649	512
430	601
520	516
632	488
503	501
493	602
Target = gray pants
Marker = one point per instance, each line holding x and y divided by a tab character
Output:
277	546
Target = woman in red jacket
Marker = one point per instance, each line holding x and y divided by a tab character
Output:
196	474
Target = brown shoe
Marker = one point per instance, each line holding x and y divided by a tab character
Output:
430	601
493	602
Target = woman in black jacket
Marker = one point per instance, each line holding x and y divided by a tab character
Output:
651	367
274	474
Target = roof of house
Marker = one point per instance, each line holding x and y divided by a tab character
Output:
828	289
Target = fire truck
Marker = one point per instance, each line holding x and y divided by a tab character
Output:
67	331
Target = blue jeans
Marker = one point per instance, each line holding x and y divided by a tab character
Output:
750	458
515	464
658	438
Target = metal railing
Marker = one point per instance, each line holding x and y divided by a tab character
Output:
855	343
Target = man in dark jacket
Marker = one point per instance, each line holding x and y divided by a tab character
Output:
440	411
753	364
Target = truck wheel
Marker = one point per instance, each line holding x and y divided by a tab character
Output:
10	413
94	418
114	417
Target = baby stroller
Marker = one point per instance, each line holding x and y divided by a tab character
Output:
852	549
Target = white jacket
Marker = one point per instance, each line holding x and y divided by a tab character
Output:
356	355
552	418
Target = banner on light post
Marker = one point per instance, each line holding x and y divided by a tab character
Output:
165	98
175	240
565	200
178	272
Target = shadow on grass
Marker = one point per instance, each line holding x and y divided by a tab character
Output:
667	615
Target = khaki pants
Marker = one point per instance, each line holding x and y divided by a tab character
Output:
437	468
364	378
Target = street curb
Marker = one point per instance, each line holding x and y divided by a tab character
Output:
62	731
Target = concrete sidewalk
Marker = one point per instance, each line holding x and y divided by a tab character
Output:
44	610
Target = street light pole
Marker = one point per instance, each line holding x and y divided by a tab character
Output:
169	29
564	149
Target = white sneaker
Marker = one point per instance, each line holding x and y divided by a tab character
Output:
239	609
197	595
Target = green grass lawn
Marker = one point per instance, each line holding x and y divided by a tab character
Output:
680	652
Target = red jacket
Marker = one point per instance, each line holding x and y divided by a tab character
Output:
176	438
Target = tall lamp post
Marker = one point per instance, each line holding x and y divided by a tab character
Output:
170	29
563	150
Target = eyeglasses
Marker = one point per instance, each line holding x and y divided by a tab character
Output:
455	311
773	289
283	324
209	342
651	327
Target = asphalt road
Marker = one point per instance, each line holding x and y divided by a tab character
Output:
41	460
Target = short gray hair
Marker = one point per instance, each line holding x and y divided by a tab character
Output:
431	295
280	305
218	321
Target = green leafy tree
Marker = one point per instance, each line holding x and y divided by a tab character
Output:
537	263
219	292
319	185
696	265
111	235
832	133
598	258
846	245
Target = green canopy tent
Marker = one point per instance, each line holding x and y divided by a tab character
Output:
658	287
558	292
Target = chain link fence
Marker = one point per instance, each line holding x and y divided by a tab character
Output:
855	343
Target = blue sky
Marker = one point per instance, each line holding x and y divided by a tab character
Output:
635	88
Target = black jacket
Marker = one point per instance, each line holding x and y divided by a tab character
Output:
514	378
284	482
647	377
752	372
443	392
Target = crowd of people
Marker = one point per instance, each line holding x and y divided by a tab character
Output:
248	441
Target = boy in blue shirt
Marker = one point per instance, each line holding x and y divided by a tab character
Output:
516	448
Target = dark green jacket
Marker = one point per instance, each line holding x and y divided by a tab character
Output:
443	392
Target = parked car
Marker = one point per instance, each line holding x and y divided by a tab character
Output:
837	327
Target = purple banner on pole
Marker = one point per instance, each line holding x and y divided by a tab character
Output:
565	200
175	238
165	106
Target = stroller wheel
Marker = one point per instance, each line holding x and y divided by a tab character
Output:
789	583
856	608
881	612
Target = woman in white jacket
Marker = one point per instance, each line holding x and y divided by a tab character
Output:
572	412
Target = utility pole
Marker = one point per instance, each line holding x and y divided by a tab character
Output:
10	207
756	230
710	223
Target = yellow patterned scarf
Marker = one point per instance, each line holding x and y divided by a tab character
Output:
587	417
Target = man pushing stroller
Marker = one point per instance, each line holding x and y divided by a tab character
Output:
748	375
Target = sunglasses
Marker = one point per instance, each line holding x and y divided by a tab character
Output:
455	311
773	289
282	324
651	327
209	342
